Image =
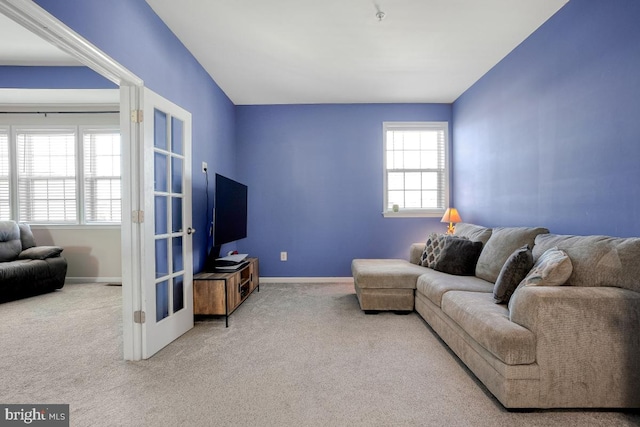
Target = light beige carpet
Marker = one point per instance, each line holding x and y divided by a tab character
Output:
293	355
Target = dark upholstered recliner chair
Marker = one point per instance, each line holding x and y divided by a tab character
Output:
27	269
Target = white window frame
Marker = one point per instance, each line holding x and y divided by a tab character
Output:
5	130
17	202
13	124
80	164
444	186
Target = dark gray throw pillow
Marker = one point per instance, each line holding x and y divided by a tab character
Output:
459	257
513	271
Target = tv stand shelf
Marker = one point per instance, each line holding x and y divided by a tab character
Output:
219	294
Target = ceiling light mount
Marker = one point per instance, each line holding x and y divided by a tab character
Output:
379	13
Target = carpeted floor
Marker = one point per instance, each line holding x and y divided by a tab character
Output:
293	355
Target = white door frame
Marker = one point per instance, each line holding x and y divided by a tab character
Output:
39	21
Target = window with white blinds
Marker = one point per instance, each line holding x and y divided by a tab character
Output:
416	173
101	175
47	175
5	207
60	174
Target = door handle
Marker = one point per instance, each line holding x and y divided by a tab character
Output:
191	230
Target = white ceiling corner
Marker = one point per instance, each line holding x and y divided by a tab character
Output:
21	47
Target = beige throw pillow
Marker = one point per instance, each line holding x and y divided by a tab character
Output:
553	268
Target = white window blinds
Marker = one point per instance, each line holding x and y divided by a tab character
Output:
101	176
46	169
5	206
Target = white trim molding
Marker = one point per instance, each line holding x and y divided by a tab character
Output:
76	280
264	280
40	22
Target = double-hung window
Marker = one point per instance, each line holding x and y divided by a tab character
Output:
416	169
46	169
102	191
5	207
66	174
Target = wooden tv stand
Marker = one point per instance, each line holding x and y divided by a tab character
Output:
219	294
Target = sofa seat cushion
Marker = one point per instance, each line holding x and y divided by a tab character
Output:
434	284
489	325
385	273
28	270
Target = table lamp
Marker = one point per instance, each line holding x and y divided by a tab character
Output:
451	216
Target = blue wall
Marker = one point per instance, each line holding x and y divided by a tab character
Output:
131	33
551	135
52	78
315	186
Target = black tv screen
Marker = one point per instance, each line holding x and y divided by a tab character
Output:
230	211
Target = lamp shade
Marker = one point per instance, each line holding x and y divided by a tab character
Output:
451	215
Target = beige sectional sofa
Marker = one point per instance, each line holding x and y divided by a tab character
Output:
571	346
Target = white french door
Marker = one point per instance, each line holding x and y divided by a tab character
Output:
167	289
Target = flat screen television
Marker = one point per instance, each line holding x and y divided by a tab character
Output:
229	213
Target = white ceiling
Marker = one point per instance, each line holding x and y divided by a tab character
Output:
19	46
336	51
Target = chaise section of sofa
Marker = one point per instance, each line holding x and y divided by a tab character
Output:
385	284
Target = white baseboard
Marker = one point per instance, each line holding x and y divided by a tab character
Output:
93	280
306	280
262	280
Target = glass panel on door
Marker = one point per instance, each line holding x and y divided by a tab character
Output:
168	215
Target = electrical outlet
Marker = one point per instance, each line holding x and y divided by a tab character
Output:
204	167
283	256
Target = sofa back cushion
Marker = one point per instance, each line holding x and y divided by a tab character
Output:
475	233
10	246
26	236
597	260
502	243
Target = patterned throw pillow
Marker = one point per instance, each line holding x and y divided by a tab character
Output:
434	247
513	271
553	268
